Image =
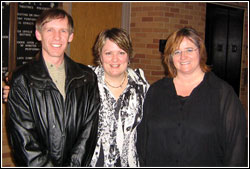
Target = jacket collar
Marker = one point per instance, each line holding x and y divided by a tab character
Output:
39	72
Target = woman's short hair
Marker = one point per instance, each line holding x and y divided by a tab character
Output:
51	14
173	43
117	35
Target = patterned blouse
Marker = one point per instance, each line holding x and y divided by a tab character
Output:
119	119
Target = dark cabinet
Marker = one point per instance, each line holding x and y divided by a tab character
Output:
224	29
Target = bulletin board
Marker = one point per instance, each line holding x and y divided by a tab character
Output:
19	44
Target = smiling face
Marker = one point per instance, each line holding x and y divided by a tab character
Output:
187	62
113	59
54	37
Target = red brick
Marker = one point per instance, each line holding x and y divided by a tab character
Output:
152	46
147	19
134	9
147	8
175	10
146	61
167	14
140	55
183	21
132	25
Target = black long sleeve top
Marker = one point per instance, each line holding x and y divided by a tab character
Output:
208	129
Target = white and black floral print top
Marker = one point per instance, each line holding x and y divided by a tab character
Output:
118	120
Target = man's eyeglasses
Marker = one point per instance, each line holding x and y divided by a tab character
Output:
188	51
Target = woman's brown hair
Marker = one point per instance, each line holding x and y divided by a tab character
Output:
173	43
116	35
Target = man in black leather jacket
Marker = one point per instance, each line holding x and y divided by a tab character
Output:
53	102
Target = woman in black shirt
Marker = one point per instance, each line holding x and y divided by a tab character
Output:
191	118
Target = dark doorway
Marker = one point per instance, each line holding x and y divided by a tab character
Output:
224	30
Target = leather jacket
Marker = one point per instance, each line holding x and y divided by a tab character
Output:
43	128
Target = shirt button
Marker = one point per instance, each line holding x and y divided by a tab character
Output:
128	128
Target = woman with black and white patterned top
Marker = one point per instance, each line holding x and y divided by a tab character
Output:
122	92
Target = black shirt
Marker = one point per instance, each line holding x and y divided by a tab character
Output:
209	129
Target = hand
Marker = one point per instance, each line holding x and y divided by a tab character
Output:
6	90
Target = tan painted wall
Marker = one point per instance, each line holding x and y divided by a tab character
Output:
90	19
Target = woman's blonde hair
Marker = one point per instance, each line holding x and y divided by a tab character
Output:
173	43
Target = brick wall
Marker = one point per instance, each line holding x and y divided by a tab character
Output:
151	22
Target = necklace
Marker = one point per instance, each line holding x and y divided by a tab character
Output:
116	86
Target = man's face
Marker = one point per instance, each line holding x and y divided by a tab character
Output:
54	37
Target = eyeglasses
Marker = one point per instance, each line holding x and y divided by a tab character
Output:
188	51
